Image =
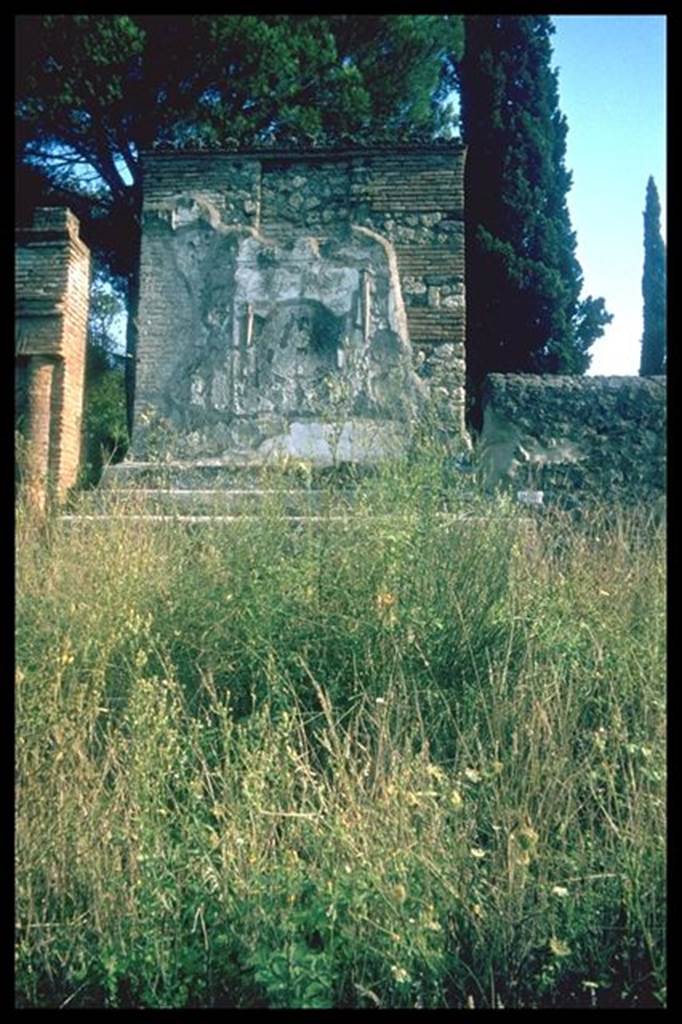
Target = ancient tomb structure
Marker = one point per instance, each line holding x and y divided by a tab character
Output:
52	280
306	304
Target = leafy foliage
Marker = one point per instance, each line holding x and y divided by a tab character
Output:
524	312
93	91
105	428
653	358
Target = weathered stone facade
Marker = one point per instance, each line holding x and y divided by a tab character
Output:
288	297
575	438
52	281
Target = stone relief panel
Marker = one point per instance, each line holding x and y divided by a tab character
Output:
281	339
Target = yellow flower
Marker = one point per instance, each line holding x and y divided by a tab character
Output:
385	603
559	947
456	800
399	893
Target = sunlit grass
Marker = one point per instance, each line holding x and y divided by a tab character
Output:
393	762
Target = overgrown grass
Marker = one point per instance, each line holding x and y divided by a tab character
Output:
390	763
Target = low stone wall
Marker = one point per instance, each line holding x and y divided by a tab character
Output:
578	439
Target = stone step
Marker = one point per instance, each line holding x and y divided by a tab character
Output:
446	520
223	474
213	502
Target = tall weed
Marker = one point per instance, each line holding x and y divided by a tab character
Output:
392	761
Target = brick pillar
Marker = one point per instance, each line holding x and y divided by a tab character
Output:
52	280
39	419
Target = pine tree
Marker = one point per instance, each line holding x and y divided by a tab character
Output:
653	287
524	312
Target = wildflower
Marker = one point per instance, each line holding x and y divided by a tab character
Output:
560	890
600	737
432	926
477	852
400	974
456	800
558	947
385	599
472	775
399	893
385	603
379	700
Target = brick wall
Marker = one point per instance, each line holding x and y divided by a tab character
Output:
412	196
52	281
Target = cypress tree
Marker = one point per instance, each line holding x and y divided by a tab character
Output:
653	287
524	312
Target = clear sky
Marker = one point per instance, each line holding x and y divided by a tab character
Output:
612	89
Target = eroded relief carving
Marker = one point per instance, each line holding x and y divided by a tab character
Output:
270	330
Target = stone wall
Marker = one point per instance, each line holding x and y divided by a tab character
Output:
205	212
577	439
52	281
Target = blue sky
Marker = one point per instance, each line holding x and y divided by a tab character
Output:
612	89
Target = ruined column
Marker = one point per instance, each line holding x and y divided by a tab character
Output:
52	279
39	417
